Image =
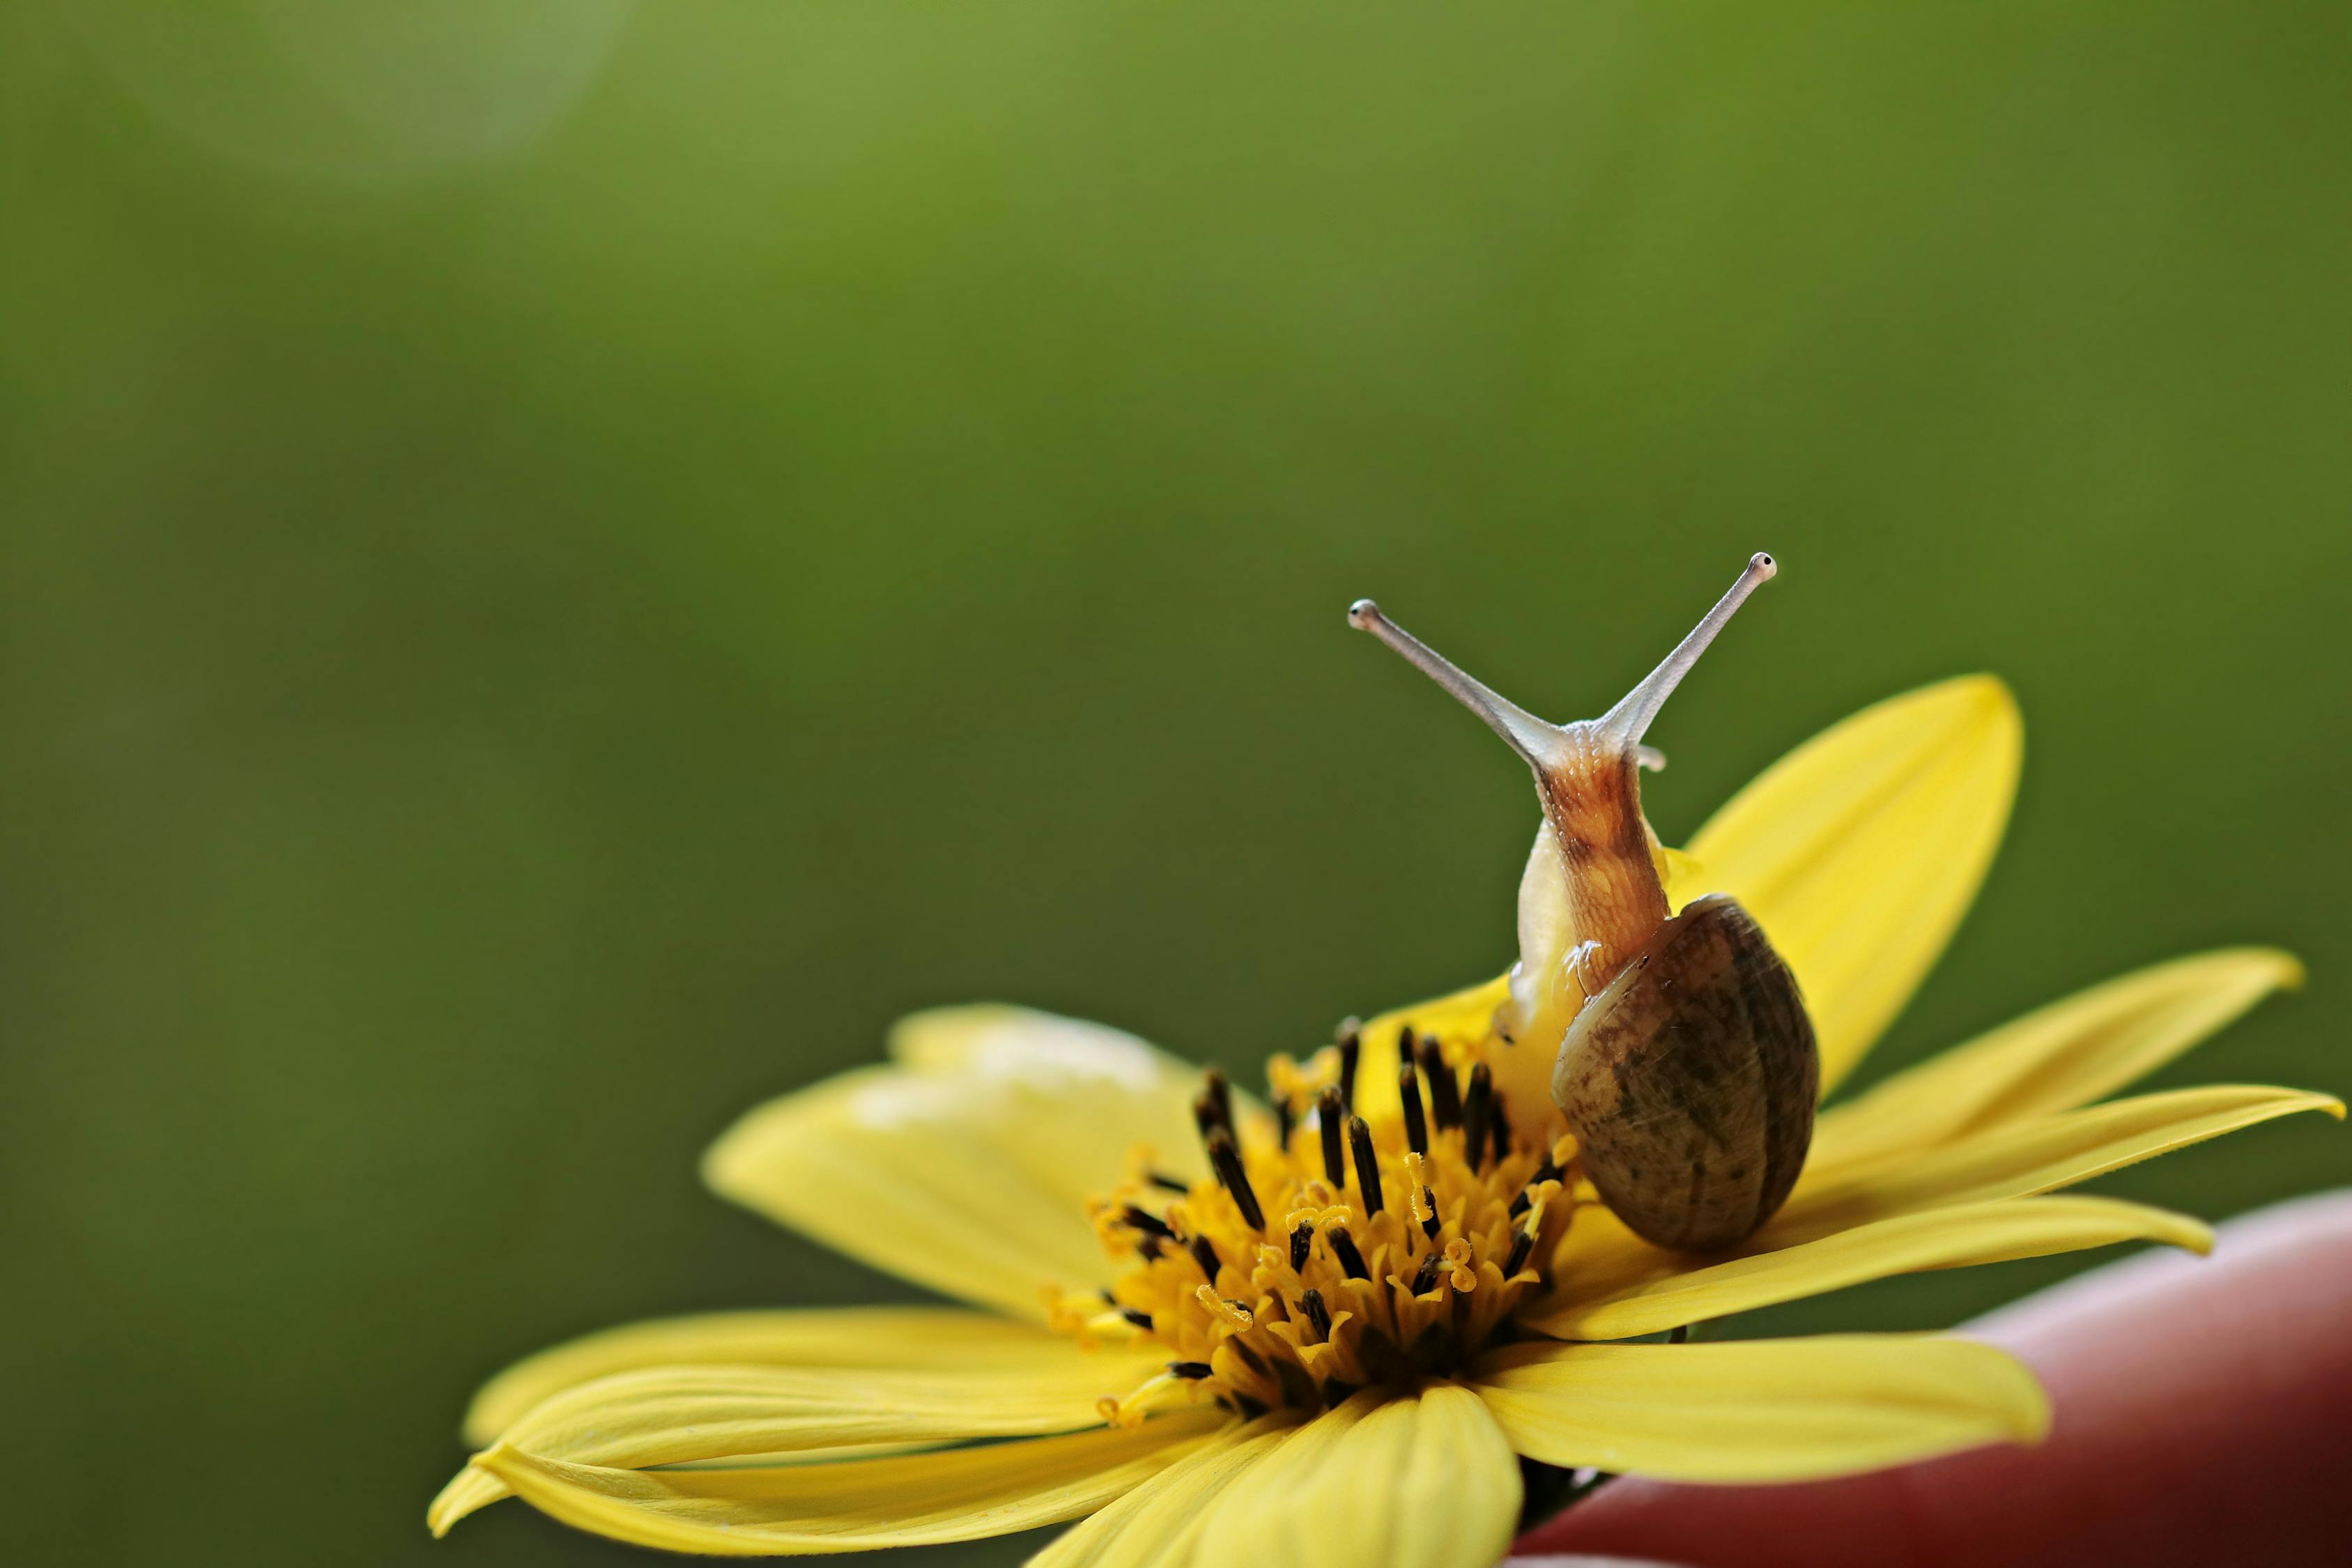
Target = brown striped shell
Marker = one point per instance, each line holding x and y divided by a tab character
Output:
1689	1082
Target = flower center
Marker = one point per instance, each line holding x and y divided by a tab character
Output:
1334	1247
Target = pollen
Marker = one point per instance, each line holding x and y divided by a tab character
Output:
1334	1247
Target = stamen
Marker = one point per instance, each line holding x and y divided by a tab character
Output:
1351	1048
1226	1161
1204	1113
1330	1111
1424	1278
1416	1124
1259	1326
1458	1254
1477	1109
1234	1315
1215	1085
1424	1202
1547	1171
1368	1167
1445	1089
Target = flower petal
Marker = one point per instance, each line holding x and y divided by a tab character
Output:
909	1500
733	1413
967	1169
2056	1057
2032	1156
1759	1410
1159	1524
1424	1477
881	1337
1859	851
1950	1237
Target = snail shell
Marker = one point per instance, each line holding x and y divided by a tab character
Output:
1689	1082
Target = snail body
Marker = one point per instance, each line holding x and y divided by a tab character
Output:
1686	1062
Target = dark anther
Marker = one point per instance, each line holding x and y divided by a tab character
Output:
1214	1085
1343	1248
1547	1171
1141	1320
1302	1242
1430	1226
1330	1113
1351	1048
1191	1371
1283	1121
1444	1091
1522	1246
1477	1114
1204	1113
1148	1223
1108	1299
1405	1045
1368	1167
1317	1313
1226	1161
1205	1256
1167	1182
1502	1131
1424	1278
1416	1124
1152	1247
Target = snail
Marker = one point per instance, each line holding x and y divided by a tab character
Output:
1686	1066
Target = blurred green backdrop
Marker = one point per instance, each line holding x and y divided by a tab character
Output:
564	562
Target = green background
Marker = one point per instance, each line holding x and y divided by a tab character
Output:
564	563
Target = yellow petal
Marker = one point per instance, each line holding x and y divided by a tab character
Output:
1859	851
912	1500
1950	1237
702	1414
1760	1410
1419	1478
2059	1057
907	1337
967	1169
1160	1523
2035	1156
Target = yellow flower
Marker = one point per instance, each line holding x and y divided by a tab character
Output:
1326	1333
